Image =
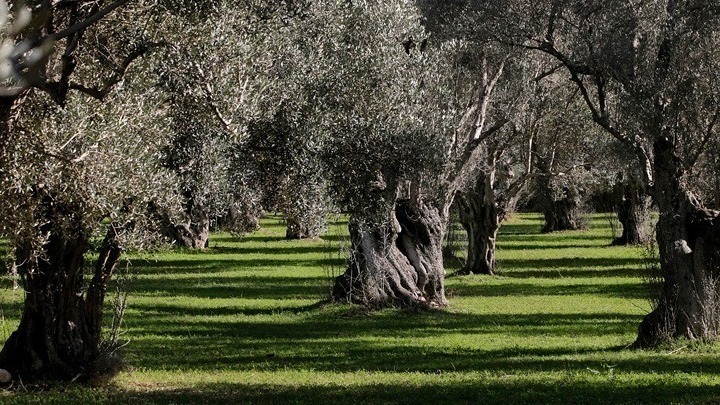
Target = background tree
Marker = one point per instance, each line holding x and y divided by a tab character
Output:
287	171
647	73
236	146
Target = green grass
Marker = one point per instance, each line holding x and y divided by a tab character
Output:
240	324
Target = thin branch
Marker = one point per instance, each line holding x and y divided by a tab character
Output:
209	97
100	92
548	73
706	137
85	23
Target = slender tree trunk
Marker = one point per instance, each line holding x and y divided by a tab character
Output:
633	212
688	238
398	265
59	334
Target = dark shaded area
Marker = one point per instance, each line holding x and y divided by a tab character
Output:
524	289
340	342
480	391
250	287
512	391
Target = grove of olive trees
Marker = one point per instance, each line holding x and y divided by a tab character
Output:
125	125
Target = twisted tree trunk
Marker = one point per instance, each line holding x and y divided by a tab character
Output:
194	231
633	212
481	216
297	230
688	238
399	264
59	334
564	214
562	211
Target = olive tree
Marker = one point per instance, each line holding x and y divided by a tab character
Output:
238	120
73	171
398	120
647	72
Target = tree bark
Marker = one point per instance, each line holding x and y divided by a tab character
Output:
688	238
398	264
561	214
59	334
564	214
297	230
633	212
194	232
481	217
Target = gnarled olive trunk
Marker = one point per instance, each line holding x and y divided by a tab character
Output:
192	233
688	238
633	211
481	217
297	230
59	334
564	214
399	264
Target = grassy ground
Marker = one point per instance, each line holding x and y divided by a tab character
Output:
240	323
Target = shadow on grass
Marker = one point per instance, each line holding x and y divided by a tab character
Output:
573	273
573	263
554	246
554	238
630	291
375	343
240	264
250	287
490	390
318	248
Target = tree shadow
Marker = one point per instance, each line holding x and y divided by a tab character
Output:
437	390
274	249
630	291
241	286
572	263
337	343
235	264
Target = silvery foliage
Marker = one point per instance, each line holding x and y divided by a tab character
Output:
220	83
95	161
379	115
649	67
14	50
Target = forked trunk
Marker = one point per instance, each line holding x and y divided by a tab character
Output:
688	238
481	219
633	212
399	265
59	334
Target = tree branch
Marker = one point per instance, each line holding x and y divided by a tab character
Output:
100	92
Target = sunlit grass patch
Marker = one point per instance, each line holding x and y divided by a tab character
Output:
245	322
